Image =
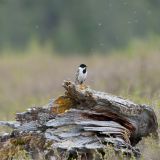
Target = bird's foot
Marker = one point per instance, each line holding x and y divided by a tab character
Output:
82	86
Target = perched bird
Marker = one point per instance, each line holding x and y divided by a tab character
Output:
81	74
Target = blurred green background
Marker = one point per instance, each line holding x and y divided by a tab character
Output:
75	26
42	42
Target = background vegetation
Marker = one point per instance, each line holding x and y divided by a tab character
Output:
43	42
75	26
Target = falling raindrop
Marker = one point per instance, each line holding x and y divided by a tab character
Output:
149	12
101	44
110	4
37	26
117	38
125	3
99	24
136	20
135	12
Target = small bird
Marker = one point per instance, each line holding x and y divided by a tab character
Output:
81	74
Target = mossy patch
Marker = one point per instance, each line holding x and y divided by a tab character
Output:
20	147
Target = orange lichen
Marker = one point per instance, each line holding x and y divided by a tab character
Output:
62	104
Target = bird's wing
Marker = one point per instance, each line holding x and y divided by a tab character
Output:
76	79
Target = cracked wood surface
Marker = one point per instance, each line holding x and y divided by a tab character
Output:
138	118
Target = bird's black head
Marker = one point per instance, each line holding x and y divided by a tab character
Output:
83	66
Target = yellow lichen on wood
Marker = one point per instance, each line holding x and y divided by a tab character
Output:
62	104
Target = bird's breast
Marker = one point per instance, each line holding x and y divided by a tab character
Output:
82	76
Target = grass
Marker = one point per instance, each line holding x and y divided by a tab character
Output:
34	77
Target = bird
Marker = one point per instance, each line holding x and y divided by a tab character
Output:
81	74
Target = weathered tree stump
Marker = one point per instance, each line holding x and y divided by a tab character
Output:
77	124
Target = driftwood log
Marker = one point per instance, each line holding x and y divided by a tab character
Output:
78	123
